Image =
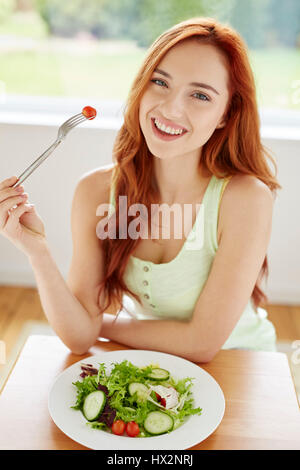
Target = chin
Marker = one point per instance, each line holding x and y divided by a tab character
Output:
161	154
162	151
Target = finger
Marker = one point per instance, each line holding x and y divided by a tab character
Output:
30	207
8	182
9	203
14	216
7	206
10	192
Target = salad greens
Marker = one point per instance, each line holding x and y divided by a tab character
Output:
125	397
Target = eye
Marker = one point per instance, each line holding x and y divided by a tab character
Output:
162	83
202	94
155	80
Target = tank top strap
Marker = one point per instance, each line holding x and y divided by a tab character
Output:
224	184
211	212
112	201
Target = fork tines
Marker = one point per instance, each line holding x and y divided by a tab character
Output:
74	120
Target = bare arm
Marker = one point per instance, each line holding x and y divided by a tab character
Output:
66	315
71	307
246	231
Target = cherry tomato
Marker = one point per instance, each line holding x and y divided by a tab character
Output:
132	429
118	427
89	112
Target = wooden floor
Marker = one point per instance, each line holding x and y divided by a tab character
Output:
19	305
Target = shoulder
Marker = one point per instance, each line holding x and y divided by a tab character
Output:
91	190
247	187
93	187
96	181
245	198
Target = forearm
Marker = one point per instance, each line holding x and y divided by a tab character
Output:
68	318
169	336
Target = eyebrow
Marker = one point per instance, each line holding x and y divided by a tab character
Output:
197	84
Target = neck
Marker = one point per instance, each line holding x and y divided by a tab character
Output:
179	178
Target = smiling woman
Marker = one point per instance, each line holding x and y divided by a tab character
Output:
191	128
180	143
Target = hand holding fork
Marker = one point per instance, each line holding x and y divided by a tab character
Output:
19	221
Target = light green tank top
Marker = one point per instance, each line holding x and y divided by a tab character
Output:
170	290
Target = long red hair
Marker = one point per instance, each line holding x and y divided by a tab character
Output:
233	149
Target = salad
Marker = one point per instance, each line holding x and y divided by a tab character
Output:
134	401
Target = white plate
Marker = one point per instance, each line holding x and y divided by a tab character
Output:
206	391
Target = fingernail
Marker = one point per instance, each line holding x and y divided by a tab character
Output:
24	195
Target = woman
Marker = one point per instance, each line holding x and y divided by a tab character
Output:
190	136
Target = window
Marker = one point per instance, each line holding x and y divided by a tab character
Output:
93	48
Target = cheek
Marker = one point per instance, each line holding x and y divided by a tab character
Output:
204	123
149	101
144	107
207	118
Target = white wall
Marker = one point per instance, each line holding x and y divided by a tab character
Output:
50	187
89	146
284	249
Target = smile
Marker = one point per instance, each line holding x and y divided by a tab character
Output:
164	132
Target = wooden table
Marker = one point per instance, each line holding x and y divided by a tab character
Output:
262	411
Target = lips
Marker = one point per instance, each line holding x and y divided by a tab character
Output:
163	135
171	124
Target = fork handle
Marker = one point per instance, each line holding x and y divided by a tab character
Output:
36	163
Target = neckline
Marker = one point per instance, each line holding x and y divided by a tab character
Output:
139	260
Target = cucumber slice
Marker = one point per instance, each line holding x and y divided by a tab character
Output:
140	389
158	422
159	374
93	405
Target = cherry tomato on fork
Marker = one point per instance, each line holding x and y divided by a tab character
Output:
89	112
132	429
118	427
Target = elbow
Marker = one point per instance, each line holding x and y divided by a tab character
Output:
81	345
200	356
79	348
203	357
79	351
203	347
203	353
203	350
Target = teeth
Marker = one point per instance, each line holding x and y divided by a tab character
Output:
167	130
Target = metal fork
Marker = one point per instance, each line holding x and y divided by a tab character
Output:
64	129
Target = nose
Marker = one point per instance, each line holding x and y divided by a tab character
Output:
172	107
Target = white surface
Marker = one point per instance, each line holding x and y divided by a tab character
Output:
30	327
206	391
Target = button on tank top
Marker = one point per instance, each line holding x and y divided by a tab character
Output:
171	290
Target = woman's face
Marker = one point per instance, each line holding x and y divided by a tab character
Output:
187	94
